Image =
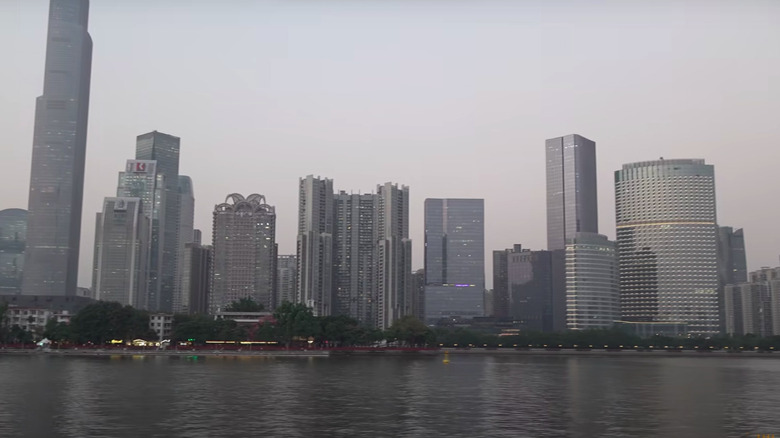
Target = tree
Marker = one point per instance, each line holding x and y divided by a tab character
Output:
200	328
57	331
295	321
411	331
246	304
103	321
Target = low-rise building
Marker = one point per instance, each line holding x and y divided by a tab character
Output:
162	324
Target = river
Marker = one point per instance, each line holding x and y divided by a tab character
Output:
472	396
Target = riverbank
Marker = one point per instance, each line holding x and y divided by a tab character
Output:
343	352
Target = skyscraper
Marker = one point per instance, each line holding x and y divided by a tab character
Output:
315	244
164	149
141	180
394	255
667	241
572	206
572	203
59	151
244	252
355	256
454	258
13	235
592	297
121	258
196	278
185	236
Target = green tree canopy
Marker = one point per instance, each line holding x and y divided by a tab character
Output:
102	321
246	304
411	331
295	321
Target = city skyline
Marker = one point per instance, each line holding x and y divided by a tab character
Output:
634	137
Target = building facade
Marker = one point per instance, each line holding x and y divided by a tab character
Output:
524	280
244	252
394	255
572	201
454	258
121	252
195	279
141	180
355	256
668	243
314	286
13	238
164	149
753	307
592	286
286	273
59	152
186	235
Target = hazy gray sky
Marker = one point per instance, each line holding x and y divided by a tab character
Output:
453	98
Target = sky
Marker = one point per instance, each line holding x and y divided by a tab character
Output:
452	98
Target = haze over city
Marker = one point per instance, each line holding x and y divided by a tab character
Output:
453	101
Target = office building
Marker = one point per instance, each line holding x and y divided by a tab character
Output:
13	235
592	287
522	287
394	255
195	279
454	259
667	241
141	180
58	156
244	263
185	234
286	268
572	206
315	244
418	294
164	149
732	258
753	307
121	252
355	256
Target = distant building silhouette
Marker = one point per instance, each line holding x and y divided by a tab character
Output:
196	278
59	151
523	286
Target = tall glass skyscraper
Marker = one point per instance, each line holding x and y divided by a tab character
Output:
572	203
454	258
244	252
668	243
59	150
142	180
13	237
572	207
164	149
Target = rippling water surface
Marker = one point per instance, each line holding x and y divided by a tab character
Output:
496	396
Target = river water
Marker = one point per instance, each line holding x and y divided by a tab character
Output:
472	396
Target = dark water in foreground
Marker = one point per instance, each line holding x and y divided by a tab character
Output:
495	396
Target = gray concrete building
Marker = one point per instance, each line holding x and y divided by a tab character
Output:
753	307
121	252
394	255
668	243
286	273
355	260
13	237
592	286
196	279
244	263
454	259
59	152
164	149
314	254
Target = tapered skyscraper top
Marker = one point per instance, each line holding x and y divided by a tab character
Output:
571	189
59	149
